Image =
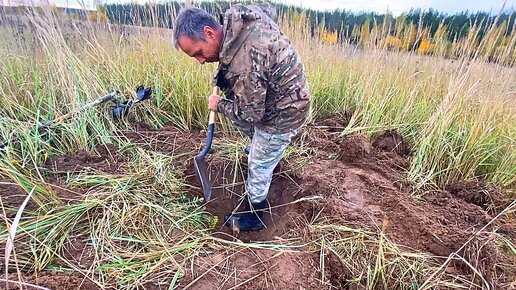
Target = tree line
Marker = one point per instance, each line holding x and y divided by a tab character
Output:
490	35
473	34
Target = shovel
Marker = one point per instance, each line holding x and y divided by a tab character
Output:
200	164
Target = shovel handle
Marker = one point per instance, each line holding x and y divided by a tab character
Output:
211	130
213	115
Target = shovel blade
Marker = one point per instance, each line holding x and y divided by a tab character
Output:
201	170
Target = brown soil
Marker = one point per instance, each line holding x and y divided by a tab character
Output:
336	122
169	139
12	197
487	196
103	158
350	181
254	269
364	183
51	280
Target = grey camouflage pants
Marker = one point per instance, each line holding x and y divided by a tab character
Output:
266	152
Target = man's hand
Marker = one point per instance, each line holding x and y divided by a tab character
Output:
212	102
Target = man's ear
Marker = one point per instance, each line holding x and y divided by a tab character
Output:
209	32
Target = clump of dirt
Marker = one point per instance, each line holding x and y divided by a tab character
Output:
392	141
336	122
354	148
487	196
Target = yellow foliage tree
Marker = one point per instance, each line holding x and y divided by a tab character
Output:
364	32
98	16
425	46
393	43
330	37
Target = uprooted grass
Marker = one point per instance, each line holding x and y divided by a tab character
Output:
367	259
134	224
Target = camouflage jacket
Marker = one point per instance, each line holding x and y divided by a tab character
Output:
260	72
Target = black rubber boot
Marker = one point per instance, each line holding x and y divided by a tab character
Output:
252	220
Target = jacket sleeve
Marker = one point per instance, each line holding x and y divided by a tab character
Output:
250	90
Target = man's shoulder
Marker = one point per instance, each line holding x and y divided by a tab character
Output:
252	12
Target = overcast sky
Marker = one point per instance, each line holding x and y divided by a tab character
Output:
398	6
395	6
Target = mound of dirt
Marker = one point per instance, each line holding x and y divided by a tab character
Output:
363	187
354	148
336	122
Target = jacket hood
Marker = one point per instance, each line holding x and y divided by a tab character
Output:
239	22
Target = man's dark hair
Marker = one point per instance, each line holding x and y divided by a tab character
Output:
190	23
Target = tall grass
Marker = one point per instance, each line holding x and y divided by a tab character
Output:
458	115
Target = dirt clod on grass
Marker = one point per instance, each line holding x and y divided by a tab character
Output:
487	196
392	141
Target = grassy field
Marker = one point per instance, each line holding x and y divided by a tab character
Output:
458	115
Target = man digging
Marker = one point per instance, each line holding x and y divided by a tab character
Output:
264	84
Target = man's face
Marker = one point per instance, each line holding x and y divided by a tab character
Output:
203	50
